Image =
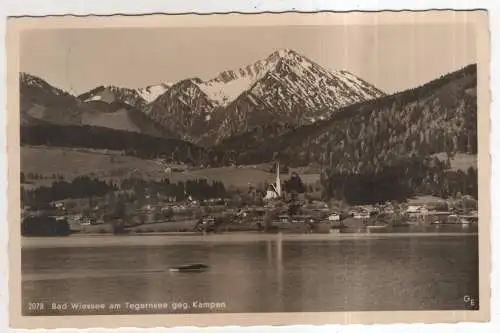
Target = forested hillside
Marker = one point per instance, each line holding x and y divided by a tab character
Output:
439	116
385	153
415	176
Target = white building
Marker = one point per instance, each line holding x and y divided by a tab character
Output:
362	215
334	217
417	210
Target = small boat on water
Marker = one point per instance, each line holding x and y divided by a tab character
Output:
374	228
190	268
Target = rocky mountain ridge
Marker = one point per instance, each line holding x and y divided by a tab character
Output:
285	86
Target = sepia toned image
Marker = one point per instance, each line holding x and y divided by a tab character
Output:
248	169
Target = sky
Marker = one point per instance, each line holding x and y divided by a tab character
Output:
391	57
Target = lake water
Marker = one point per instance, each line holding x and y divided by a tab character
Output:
365	274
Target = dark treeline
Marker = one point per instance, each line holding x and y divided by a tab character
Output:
84	187
26	177
132	143
80	187
398	182
198	189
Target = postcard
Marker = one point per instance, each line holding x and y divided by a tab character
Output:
249	169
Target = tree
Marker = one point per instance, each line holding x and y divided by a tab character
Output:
293	208
44	226
295	184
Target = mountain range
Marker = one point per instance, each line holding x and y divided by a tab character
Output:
285	87
41	103
284	105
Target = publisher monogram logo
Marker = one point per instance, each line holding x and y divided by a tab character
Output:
471	303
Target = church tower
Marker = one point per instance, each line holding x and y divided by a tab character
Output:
278	181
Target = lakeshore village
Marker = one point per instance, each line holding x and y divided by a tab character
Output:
286	205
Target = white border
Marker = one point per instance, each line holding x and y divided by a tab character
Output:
83	7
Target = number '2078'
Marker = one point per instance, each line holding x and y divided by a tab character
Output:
35	306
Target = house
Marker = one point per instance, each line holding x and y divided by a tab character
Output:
59	205
334	217
424	211
241	213
76	218
88	220
388	210
361	215
412	209
284	218
319	204
417	210
360	212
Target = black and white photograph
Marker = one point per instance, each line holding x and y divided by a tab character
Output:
316	166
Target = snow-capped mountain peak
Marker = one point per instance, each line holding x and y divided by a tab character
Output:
137	97
152	92
296	90
230	84
110	94
282	54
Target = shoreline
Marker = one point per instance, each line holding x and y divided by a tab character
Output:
159	239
